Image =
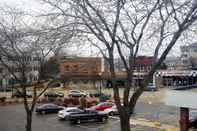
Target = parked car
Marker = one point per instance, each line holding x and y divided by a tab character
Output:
150	87
76	93
112	111
193	119
54	94
54	84
65	114
48	108
5	89
88	115
102	106
21	94
100	94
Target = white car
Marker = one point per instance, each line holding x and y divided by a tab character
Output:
76	93
64	114
112	111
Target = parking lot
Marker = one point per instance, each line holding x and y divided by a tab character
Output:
13	119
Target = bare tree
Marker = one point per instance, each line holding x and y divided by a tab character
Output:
24	49
122	27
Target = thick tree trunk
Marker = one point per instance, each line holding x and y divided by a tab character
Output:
29	121
125	121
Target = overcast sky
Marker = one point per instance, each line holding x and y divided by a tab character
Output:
34	6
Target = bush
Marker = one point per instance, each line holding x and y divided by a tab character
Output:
59	102
44	100
66	102
83	102
74	101
2	99
92	103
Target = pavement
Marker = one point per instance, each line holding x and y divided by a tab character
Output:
150	115
147	117
13	119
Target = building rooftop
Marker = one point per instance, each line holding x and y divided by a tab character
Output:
144	60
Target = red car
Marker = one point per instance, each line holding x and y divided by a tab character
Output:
102	106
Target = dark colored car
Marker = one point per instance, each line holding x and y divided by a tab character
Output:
193	119
54	94
103	95
21	94
48	108
150	87
193	123
54	84
88	115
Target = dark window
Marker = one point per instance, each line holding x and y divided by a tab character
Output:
1	83
1	70
67	67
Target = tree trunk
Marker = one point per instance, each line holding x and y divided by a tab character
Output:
125	121
29	121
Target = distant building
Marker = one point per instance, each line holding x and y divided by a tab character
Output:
189	56
81	70
142	66
173	63
8	80
143	63
189	51
176	78
182	71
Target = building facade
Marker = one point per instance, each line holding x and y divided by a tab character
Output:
181	72
81	70
142	66
189	56
7	74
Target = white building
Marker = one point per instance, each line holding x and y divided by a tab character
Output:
7	79
189	51
189	56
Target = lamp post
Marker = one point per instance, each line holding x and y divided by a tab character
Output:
100	88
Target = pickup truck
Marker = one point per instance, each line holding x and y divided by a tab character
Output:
88	115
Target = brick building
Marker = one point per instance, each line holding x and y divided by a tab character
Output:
142	66
81	70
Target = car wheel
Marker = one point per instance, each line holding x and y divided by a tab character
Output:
111	113
43	112
78	121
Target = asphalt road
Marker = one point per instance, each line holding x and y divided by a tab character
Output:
12	118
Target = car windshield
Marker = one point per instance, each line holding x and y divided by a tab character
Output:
75	91
48	106
75	110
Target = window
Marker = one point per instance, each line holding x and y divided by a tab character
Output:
1	70
67	67
1	82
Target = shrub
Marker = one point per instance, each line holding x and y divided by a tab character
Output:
74	101
2	99
59	102
66	102
83	102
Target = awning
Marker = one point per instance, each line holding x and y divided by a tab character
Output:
176	73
